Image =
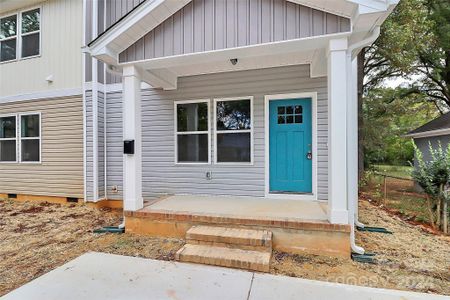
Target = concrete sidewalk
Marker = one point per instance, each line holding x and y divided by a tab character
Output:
105	276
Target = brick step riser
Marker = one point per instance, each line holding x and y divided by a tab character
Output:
265	248
224	263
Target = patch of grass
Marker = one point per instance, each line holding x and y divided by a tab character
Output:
396	171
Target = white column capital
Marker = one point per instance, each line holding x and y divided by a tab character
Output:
131	71
337	45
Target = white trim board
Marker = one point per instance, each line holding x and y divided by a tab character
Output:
45	95
267	99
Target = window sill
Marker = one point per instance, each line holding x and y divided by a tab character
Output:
19	59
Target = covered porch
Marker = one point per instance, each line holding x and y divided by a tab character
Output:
297	226
187	70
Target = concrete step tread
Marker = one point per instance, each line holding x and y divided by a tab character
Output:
230	235
225	257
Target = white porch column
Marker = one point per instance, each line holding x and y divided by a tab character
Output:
337	131
132	163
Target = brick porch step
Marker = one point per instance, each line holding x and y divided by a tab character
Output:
248	239
225	257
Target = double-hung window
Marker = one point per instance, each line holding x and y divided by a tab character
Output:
30	138
20	35
20	138
8	138
234	130
192	138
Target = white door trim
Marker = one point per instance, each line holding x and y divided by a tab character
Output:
267	99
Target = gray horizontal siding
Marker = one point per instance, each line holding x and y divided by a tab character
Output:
89	147
162	176
424	145
101	145
114	139
60	172
204	25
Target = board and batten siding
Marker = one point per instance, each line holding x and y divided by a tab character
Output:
62	24
60	172
205	25
162	176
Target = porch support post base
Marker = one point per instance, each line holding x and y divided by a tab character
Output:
132	163
337	131
338	216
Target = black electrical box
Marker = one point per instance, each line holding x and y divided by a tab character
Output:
128	147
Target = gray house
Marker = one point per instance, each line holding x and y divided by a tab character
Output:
227	113
432	133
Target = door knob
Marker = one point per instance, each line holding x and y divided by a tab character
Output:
309	155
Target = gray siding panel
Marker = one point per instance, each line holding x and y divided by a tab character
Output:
162	176
60	172
89	146
423	145
204	25
101	145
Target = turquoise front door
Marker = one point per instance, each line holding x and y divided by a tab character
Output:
290	146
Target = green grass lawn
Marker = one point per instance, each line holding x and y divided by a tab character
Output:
396	171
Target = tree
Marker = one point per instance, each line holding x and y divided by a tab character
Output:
389	119
414	43
434	178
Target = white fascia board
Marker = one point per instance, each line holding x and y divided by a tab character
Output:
134	26
341	8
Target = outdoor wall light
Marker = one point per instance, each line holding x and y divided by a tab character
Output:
234	61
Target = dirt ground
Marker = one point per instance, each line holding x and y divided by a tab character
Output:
35	238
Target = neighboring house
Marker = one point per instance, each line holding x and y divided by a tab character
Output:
243	106
41	102
432	133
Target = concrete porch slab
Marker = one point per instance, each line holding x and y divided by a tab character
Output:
244	207
103	276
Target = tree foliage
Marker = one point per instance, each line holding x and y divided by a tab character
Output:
434	178
387	119
414	43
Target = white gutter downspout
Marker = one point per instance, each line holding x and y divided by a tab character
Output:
352	187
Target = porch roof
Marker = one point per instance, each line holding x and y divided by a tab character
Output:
163	72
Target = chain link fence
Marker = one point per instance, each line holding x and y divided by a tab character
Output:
400	194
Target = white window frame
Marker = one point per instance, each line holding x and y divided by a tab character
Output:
176	133
19	34
240	98
19	120
11	139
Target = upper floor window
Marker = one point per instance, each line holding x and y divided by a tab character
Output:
20	35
